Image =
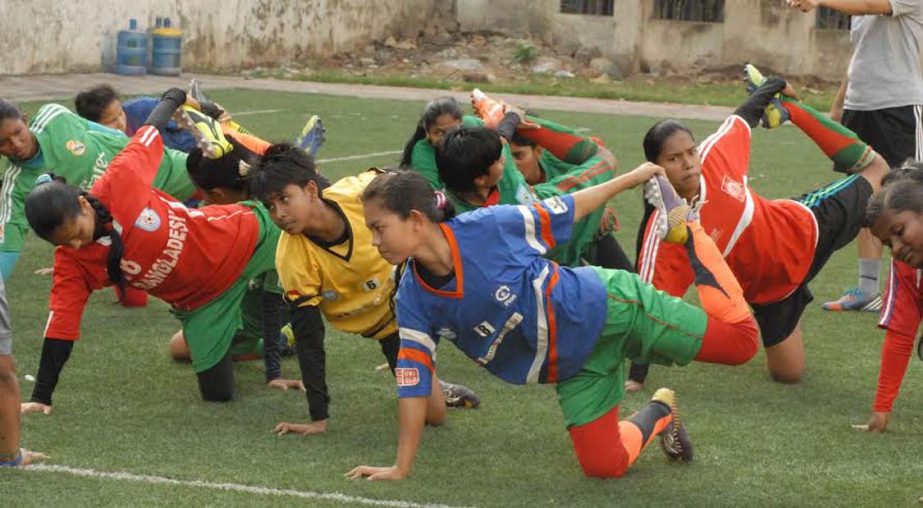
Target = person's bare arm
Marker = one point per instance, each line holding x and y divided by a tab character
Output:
851	7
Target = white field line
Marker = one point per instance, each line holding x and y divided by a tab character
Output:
363	156
232	487
256	112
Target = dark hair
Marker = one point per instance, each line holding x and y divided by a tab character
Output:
280	166
901	190
91	103
465	153
402	191
49	205
519	139
658	134
434	109
226	171
10	110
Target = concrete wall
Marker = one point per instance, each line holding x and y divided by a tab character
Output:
761	31
48	36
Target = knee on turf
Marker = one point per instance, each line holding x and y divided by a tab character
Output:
179	350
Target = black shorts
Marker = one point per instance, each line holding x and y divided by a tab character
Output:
840	210
892	132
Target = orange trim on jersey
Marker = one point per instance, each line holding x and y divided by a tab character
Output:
249	141
545	220
416	355
456	262
551	375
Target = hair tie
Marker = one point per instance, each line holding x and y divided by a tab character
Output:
441	200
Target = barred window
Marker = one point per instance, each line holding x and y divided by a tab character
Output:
594	7
709	11
828	18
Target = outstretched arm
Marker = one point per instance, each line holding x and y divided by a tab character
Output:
587	200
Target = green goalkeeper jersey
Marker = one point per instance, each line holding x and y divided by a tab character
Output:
80	151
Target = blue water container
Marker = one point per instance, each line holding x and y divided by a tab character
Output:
167	50
131	51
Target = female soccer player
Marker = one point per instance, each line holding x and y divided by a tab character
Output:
328	267
774	247
480	281
75	149
124	232
895	216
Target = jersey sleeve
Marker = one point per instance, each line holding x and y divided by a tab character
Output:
423	160
664	265
727	151
416	360
536	228
127	183
895	355
901	311
13	192
70	291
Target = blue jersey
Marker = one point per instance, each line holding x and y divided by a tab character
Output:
136	112
519	315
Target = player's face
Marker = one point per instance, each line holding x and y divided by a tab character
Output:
526	158
443	123
903	232
395	238
493	176
77	231
679	157
297	210
16	141
114	116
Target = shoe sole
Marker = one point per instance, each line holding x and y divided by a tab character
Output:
668	224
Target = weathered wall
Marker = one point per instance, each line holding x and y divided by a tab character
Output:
39	36
760	31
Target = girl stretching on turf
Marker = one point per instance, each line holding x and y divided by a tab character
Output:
895	216
124	232
774	247
480	281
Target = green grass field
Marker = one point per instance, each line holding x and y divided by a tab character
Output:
123	406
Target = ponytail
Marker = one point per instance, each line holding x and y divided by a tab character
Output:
404	191
106	226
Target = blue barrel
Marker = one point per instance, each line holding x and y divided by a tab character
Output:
131	51
167	49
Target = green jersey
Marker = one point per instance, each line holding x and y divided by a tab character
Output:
80	151
423	157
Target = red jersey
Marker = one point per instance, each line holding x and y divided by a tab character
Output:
901	312
186	257
768	244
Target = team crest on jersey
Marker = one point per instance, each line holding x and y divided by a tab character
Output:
504	295
330	296
407	377
734	189
524	195
148	220
556	205
75	147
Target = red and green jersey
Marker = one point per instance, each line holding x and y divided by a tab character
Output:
186	257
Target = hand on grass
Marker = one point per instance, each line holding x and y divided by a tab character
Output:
285	384
30	457
34	407
878	422
304	429
376	473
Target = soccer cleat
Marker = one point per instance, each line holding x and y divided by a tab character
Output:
205	130
459	396
195	90
674	441
774	114
855	299
312	136
673	211
489	110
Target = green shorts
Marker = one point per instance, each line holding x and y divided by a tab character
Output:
642	324
210	329
249	339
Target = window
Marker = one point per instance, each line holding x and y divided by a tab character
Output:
594	7
830	19
709	11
